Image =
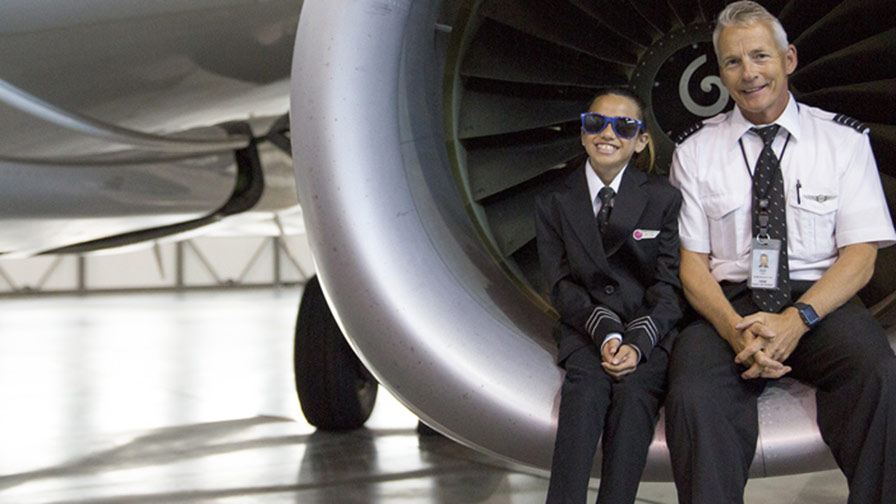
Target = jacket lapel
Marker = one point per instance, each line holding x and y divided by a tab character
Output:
628	205
578	209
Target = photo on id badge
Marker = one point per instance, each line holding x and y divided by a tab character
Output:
764	264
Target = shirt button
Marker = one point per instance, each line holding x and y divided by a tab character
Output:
609	290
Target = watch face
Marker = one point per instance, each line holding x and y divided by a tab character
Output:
807	313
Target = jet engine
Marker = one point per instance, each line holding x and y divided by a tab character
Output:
422	132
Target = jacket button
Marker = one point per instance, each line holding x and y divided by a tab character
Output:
609	290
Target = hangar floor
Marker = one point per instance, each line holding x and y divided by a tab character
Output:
160	398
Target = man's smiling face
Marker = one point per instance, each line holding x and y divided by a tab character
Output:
754	70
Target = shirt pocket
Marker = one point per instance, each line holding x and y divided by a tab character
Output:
729	220
812	215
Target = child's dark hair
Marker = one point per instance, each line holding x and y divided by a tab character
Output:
645	159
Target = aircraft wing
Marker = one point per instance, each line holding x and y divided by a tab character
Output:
133	121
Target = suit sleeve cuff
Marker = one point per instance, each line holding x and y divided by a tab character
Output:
602	322
642	334
637	349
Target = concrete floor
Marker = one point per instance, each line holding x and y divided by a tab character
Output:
160	398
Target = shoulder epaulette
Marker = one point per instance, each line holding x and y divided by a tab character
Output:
852	123
688	132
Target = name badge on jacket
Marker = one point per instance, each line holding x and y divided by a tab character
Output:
645	234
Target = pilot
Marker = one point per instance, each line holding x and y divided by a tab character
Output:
774	176
608	246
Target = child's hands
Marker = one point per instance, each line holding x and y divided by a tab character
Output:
618	359
609	349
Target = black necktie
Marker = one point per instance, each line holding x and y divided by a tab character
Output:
603	215
768	183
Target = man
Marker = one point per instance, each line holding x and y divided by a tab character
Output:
806	192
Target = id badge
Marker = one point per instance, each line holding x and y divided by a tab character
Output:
764	255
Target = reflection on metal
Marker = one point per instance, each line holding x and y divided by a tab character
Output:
110	160
34	106
414	282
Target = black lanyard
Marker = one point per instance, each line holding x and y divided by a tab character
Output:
763	198
747	163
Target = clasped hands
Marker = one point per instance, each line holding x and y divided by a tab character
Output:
618	359
763	341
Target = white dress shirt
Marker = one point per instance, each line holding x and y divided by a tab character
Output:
832	190
595	184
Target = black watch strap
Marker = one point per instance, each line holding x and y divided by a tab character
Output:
807	313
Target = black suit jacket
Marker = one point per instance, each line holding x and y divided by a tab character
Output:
625	281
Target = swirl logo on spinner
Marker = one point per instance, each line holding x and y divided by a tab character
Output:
706	85
687	88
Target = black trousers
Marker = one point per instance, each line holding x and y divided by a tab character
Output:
625	411
711	412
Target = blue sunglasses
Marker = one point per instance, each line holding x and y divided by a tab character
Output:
624	127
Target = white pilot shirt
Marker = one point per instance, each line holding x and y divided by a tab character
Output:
832	190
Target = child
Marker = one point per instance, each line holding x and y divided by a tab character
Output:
608	247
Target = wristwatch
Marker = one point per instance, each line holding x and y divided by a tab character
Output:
807	313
